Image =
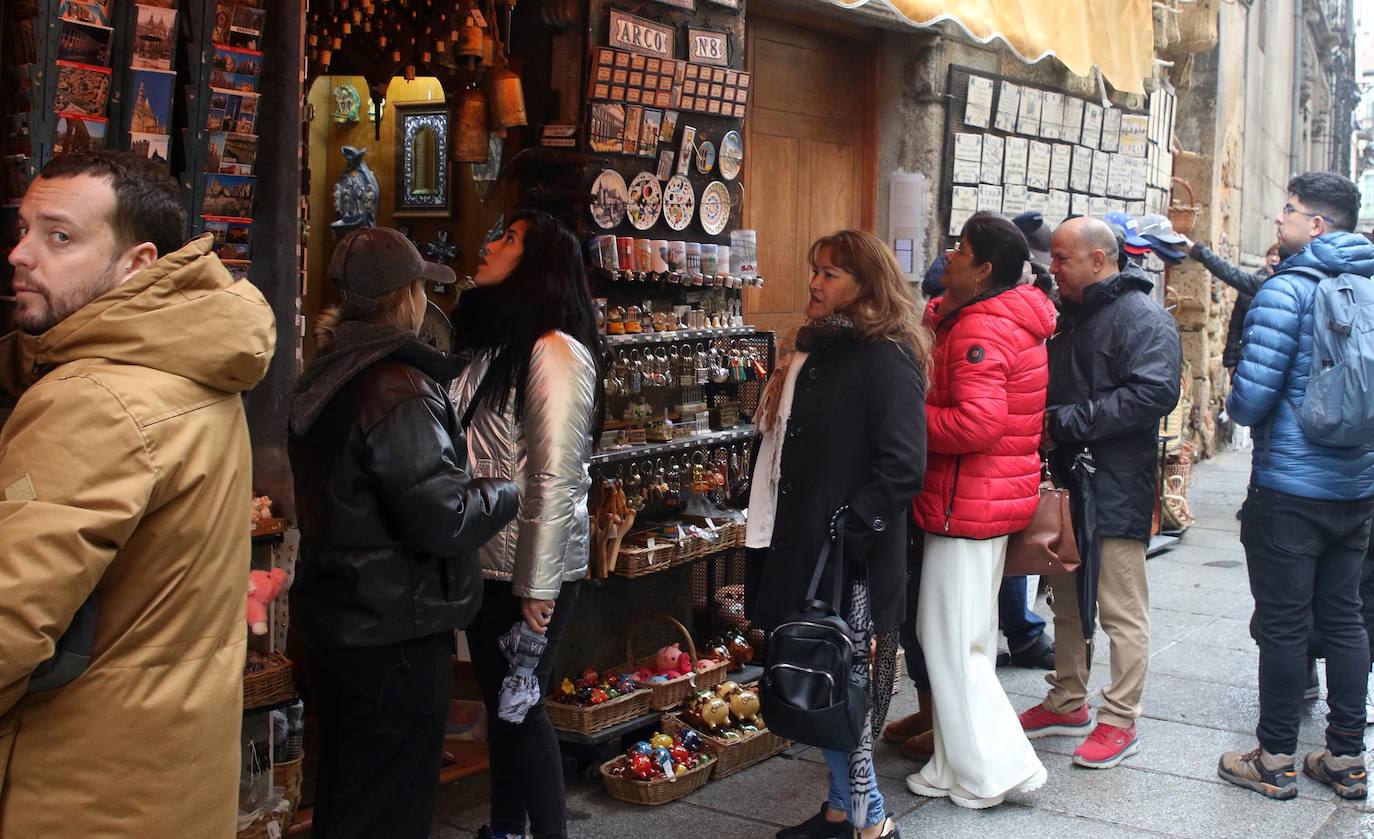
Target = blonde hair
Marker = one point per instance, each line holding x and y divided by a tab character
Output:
392	308
889	305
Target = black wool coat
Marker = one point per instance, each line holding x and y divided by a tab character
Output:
856	436
1115	369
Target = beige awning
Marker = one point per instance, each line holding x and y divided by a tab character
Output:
1117	36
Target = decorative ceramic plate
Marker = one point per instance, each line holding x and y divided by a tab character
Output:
646	201
610	198
731	155
679	202
715	207
706	157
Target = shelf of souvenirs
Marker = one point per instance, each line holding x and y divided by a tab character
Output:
672	336
623	452
679	278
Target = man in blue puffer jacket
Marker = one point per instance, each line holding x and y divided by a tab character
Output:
1306	520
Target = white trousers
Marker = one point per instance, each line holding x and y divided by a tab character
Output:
979	744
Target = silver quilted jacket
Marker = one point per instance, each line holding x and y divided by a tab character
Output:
547	452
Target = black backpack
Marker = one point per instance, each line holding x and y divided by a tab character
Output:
806	690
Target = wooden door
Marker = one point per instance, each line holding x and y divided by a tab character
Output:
810	154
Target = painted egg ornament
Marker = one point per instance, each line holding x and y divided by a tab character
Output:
625	683
692	741
598	696
679	769
567	690
612	694
642	767
661	740
591	676
643	747
680	753
584	695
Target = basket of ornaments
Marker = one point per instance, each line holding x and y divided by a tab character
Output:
658	770
596	701
731	728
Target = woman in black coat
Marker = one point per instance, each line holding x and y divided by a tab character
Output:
844	429
390	522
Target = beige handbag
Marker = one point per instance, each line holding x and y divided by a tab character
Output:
1047	545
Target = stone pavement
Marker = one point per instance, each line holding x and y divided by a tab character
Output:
1200	700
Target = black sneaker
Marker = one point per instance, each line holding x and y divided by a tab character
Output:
1038	654
1345	775
817	827
1266	774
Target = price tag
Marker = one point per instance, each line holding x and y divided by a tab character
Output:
652	543
710	524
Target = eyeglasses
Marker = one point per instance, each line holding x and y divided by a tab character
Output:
1289	209
959	248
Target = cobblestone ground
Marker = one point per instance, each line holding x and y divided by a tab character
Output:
1200	700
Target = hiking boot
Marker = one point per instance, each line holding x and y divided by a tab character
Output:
817	827
1266	774
1042	722
1107	746
1345	775
919	748
1037	655
909	726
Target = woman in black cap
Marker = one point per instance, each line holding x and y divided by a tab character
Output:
390	521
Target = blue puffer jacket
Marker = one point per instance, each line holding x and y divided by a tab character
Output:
1276	358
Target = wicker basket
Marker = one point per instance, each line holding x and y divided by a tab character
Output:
287	776
637	562
670	694
734	754
592	718
270	685
659	790
1181	214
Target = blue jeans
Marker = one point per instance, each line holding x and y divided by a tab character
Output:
838	763
1021	626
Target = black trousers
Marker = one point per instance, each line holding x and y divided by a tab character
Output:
382	712
1305	559
526	763
911	646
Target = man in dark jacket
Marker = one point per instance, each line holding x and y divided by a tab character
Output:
1305	523
1244	282
1114	372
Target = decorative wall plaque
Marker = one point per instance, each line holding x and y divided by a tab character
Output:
708	46
642	36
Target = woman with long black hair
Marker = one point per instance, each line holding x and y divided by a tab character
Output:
531	399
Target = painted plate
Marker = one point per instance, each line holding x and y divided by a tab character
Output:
731	155
715	207
646	201
679	202
610	197
706	157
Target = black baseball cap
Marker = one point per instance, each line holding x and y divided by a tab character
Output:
371	262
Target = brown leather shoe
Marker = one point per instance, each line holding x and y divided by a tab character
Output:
909	726
920	747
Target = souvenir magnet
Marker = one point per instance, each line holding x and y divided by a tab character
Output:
706	157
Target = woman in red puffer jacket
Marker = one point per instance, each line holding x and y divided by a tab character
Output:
984	412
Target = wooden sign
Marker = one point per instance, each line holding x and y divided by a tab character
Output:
689	5
708	46
642	36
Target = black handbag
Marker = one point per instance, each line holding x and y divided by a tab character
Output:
806	692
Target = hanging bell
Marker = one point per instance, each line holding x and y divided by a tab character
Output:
472	144
507	97
470	39
488	49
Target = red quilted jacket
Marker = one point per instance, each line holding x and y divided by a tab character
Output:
984	412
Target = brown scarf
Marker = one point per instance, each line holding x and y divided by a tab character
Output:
814	336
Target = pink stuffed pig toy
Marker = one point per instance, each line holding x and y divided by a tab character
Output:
263	588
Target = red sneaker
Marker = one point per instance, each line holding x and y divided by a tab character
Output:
1042	722
1106	747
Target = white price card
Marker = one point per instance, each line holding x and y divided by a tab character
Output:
978	111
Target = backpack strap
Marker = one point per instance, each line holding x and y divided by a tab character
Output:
835	536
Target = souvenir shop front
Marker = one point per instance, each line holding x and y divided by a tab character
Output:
288	126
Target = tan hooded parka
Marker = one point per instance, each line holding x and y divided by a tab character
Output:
125	469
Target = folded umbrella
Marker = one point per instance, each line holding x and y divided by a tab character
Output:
1083	510
522	647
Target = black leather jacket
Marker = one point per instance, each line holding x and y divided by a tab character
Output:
390	518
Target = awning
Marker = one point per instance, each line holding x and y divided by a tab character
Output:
1116	36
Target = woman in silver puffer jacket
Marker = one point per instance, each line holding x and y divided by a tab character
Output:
531	400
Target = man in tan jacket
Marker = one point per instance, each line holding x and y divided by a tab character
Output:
126	478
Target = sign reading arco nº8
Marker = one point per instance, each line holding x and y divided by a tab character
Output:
636	34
